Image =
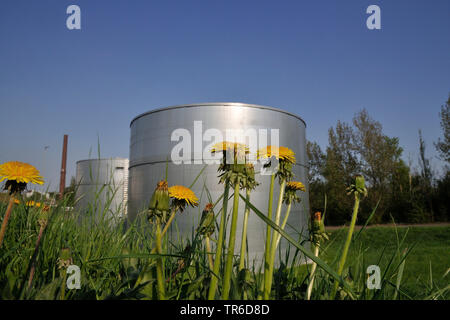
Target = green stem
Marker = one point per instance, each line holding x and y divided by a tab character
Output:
244	234
208	252
63	285
347	244
268	283
220	240
313	270
283	225
6	218
231	244
166	227
169	222
268	238
159	263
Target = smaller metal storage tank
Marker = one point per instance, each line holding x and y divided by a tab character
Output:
102	187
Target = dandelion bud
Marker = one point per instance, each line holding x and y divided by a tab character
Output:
360	185
317	221
317	216
159	203
43	217
207	222
318	228
65	258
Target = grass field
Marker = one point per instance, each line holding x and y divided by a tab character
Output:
426	267
119	265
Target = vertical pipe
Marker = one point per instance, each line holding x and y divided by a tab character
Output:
62	181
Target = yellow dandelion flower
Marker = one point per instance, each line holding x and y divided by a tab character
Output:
291	189
29	203
282	153
296	186
20	172
184	194
33	204
231	146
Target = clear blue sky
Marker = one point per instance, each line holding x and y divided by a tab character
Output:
314	58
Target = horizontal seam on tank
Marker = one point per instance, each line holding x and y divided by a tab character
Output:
156	162
99	184
104	159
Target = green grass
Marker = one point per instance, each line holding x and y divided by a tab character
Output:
118	265
376	245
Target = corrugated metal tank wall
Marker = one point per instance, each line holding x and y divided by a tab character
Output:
151	146
101	180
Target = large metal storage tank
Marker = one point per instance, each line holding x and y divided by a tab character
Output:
103	186
151	147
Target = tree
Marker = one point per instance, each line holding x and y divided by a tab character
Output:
400	199
426	174
342	161
341	165
316	161
443	146
379	158
424	162
379	153
406	195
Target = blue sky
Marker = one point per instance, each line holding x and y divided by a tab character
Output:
313	58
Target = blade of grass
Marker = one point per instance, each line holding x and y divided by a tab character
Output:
368	220
305	251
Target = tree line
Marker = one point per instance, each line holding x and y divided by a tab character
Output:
400	192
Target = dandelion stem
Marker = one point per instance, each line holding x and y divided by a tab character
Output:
159	263
313	270
244	234
6	218
166	227
63	285
209	253
220	240
268	283
231	244
283	224
347	244
268	237
169	222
